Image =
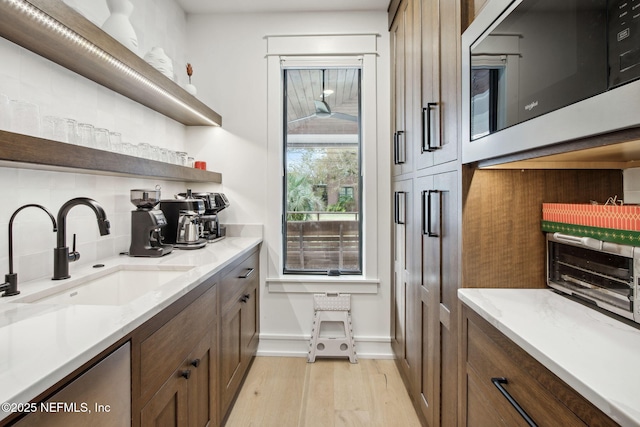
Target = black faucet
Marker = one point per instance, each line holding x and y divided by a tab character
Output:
61	255
10	285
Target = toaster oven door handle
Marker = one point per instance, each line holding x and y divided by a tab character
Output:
583	241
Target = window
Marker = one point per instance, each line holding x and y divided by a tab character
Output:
322	166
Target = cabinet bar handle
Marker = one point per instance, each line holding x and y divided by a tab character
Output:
400	218
426	213
426	128
395	148
402	157
247	274
397	158
498	381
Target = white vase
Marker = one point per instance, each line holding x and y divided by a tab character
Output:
160	61
118	26
191	89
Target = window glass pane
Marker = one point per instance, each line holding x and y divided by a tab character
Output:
322	205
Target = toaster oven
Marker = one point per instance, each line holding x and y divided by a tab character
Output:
598	272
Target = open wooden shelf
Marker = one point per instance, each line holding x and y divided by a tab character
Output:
116	67
17	150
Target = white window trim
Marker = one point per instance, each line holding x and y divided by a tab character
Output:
318	49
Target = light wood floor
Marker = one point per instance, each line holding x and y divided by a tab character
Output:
289	392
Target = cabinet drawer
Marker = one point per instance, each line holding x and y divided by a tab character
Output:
163	351
543	396
235	283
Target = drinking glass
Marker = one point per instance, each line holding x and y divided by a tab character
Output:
48	127
70	131
115	139
86	135
164	155
102	139
144	150
155	152
173	158
25	117
182	158
129	149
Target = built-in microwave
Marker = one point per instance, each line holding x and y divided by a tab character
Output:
603	274
538	72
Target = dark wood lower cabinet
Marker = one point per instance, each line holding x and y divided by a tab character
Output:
491	360
439	280
168	407
239	327
175	383
189	360
187	397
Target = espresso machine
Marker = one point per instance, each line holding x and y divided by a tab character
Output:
146	225
184	224
213	203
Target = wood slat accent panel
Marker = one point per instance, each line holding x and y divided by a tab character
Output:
503	246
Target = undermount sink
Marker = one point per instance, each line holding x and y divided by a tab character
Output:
112	286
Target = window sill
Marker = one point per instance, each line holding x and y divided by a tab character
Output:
319	284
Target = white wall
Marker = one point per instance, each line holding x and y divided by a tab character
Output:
57	91
230	71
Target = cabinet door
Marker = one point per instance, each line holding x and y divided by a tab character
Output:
438	206
403	307
449	75
249	322
201	385
169	406
230	354
439	80
429	108
401	46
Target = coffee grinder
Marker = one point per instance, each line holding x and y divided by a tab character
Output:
146	225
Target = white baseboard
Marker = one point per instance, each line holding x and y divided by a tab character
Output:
298	346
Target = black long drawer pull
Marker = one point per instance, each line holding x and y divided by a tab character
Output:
426	128
247	274
498	382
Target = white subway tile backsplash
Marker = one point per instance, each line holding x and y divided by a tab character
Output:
60	92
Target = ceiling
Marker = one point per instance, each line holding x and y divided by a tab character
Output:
253	6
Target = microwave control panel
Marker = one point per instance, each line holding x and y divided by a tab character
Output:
624	41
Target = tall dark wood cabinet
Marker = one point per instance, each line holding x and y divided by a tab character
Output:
426	91
403	310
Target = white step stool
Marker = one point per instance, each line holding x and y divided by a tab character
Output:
332	308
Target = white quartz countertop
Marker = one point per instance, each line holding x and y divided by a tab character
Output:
41	343
594	353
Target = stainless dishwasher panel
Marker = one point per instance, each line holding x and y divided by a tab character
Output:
100	397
